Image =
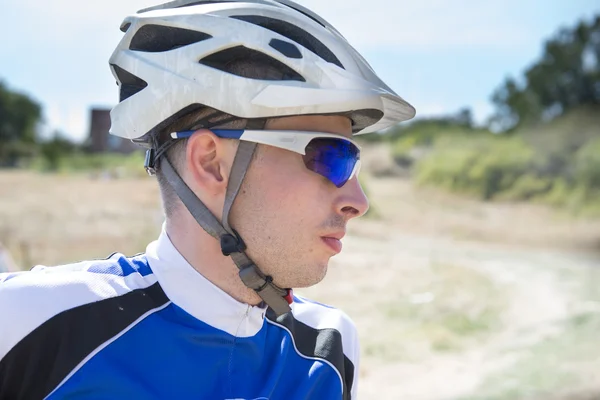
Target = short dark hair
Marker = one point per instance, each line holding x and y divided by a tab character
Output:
177	153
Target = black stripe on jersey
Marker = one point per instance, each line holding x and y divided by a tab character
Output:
325	344
40	361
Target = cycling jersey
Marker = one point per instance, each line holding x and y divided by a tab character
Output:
151	327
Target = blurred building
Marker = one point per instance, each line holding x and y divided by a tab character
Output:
100	140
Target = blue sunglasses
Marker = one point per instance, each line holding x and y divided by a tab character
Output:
335	157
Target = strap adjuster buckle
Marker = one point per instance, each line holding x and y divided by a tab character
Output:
149	162
232	244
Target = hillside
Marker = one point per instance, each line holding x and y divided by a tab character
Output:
565	133
556	163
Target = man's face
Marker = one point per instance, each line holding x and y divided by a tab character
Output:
287	214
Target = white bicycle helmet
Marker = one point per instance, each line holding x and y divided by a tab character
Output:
175	59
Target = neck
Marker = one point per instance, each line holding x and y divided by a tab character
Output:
203	253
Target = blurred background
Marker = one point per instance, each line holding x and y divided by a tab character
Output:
475	274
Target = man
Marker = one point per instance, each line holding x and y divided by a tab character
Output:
247	110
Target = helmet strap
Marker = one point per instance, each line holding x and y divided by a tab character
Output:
231	243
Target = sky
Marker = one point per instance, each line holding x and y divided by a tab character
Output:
439	55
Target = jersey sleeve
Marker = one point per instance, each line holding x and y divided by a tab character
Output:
327	320
11	304
40	311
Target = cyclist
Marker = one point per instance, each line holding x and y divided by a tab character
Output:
247	110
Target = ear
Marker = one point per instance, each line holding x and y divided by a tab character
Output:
208	161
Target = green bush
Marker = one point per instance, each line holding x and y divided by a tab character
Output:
528	187
579	189
401	150
508	168
587	165
485	166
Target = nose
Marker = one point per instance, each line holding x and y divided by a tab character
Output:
353	201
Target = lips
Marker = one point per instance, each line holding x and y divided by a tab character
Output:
335	235
333	241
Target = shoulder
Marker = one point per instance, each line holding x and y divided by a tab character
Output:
325	332
322	316
30	298
74	284
324	321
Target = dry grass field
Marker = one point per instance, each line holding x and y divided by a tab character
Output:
453	299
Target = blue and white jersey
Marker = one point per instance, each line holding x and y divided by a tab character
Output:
151	327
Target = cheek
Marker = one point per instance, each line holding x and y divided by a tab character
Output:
287	187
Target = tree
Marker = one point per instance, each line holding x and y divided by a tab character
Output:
53	149
464	117
19	117
566	76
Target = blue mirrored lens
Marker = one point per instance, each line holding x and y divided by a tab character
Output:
332	158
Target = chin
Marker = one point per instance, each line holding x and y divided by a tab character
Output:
317	274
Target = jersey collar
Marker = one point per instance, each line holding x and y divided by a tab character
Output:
191	291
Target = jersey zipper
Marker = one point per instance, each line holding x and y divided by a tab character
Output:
231	353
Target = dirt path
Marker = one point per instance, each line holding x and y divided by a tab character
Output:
540	299
534	263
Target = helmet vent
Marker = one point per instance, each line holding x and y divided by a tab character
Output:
125	26
245	62
158	38
294	33
286	48
130	84
301	12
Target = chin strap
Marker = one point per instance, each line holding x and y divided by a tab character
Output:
232	245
